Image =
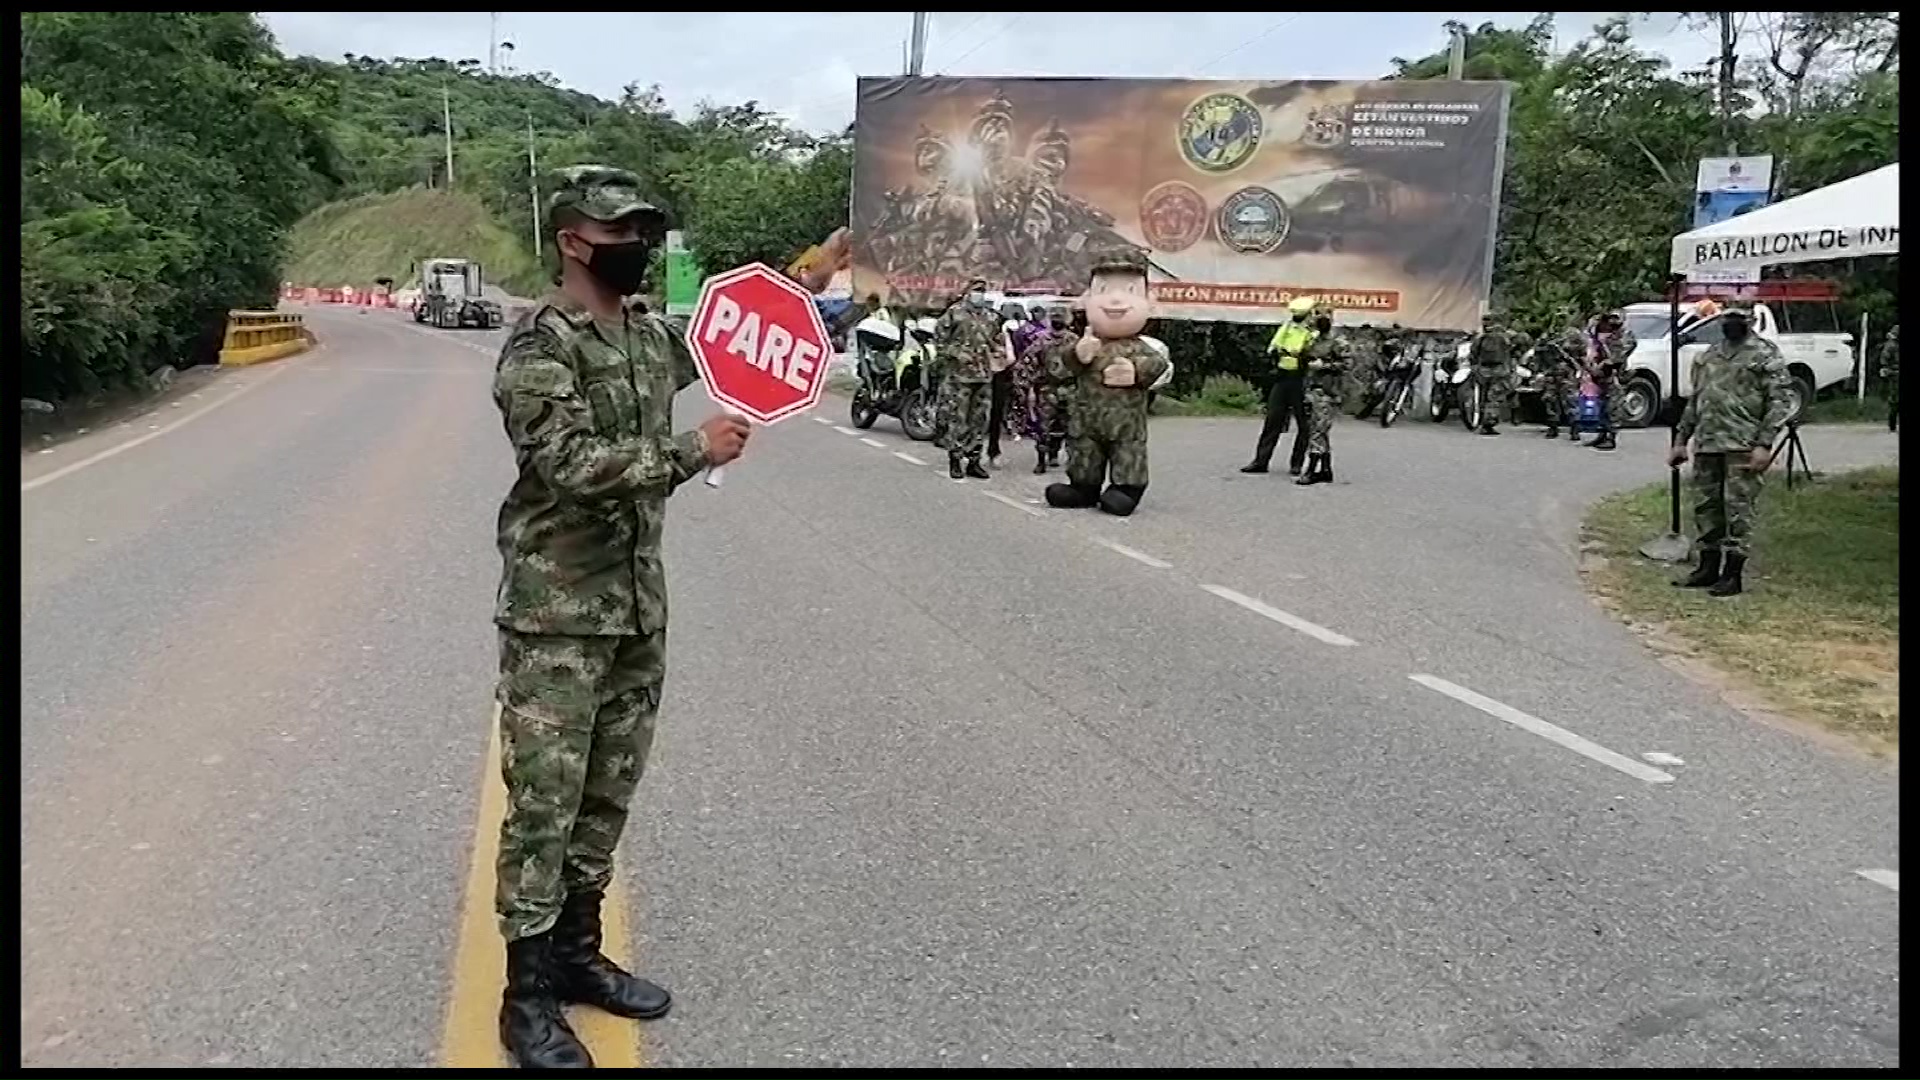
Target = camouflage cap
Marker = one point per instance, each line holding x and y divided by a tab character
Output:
600	192
1119	261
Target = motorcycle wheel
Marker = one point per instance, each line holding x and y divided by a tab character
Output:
1470	408
862	411
917	418
1394	405
1439	404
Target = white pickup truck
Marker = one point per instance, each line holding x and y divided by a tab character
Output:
1816	361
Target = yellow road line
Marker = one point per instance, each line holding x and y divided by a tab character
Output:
471	1038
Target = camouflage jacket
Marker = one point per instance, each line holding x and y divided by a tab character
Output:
1492	350
1890	357
1561	353
1740	398
589	410
1335	356
1113	413
969	338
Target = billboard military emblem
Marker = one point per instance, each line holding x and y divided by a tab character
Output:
1380	197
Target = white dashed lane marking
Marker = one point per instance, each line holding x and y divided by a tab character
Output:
1015	503
821	420
908	458
1889	878
844	430
875	443
1136	556
1292	622
1552	733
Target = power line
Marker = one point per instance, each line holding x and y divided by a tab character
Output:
1252	40
1004	27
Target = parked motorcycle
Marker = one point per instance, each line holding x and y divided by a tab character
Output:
1454	387
1392	389
892	381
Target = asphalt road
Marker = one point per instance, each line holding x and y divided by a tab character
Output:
1348	775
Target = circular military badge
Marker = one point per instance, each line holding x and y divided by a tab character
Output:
1326	128
1219	132
1253	221
1173	216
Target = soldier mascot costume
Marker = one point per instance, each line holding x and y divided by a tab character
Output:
1113	368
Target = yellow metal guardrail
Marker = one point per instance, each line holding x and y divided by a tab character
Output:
255	337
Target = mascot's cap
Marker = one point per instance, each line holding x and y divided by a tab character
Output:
1120	261
1302	305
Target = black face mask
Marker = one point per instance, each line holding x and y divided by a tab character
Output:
1737	329
1323	325
622	266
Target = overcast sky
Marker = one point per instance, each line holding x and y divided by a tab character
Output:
804	65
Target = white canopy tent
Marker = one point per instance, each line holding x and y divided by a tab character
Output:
1847	220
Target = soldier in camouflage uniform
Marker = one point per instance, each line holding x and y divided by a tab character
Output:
585	385
1107	432
1559	358
1890	376
1327	361
1609	344
1741	398
1040	381
1492	359
969	336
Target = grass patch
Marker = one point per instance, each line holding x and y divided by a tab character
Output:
1818	631
357	241
1845	408
1219	395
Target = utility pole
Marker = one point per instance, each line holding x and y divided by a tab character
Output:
446	121
1727	61
917	52
493	43
533	187
1457	54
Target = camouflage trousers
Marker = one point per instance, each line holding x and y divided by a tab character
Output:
1496	395
965	409
1558	391
1093	461
1321	409
1725	497
576	722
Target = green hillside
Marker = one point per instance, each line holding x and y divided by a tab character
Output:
359	240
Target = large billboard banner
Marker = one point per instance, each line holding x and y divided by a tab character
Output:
1379	197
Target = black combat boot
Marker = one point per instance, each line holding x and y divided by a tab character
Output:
1729	583
582	974
1553	431
1573	435
954	468
1040	461
1705	574
1489	429
1604	442
974	470
532	1027
1310	474
1326	467
1254	467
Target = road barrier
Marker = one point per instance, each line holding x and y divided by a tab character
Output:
346	294
255	337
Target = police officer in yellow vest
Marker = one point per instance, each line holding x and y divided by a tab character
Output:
1287	401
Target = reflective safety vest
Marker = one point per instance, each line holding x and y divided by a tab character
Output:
1290	341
